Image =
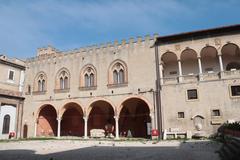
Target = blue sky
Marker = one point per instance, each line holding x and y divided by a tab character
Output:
26	25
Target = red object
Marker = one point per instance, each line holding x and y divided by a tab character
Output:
12	134
155	132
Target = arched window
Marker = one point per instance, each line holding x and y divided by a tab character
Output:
118	73
88	77
39	85
6	124
115	77
121	76
40	82
64	80
61	83
91	79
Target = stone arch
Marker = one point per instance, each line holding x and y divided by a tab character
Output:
134	118
230	53
120	106
170	64
66	73
47	121
41	107
66	106
209	59
89	106
189	62
100	114
40	76
72	123
84	70
118	65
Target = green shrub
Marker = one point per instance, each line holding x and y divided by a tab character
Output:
232	126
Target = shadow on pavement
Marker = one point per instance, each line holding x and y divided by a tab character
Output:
197	150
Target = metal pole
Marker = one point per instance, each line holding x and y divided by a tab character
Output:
158	94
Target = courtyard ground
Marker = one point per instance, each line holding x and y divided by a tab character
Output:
109	150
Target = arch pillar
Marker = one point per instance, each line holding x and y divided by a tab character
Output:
85	126
152	116
161	73
116	127
200	68
35	128
200	65
220	62
180	71
59	119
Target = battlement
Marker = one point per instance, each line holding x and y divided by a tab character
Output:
46	51
115	44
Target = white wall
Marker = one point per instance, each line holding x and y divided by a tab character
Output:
11	111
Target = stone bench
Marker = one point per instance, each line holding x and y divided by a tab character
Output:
176	132
97	133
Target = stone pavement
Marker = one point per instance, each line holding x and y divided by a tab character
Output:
109	150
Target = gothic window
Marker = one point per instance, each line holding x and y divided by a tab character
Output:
64	80
41	83
118	73
89	77
6	124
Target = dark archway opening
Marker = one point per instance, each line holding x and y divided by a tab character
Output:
47	121
233	66
72	123
102	114
134	119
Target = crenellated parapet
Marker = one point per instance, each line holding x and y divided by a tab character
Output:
45	53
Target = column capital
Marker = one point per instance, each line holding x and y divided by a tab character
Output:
116	117
85	118
179	60
59	118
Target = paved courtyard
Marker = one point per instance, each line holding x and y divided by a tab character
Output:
107	150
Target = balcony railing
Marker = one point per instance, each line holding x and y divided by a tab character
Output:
170	80
230	74
190	78
210	76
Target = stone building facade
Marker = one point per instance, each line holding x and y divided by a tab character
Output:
200	79
69	93
11	98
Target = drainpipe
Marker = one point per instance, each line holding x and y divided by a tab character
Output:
158	93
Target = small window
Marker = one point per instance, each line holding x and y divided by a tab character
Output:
235	90
216	112
180	114
11	75
192	94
